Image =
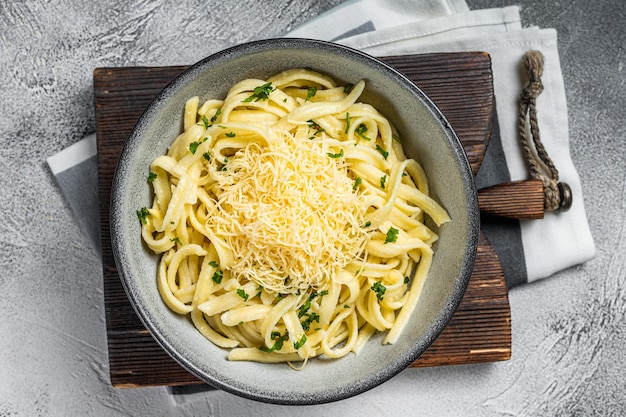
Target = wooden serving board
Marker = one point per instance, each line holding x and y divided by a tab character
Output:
459	83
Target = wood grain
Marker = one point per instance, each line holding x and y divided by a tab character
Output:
514	199
459	83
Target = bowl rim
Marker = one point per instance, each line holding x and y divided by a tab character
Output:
453	299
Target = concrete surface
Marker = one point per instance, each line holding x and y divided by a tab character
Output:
569	331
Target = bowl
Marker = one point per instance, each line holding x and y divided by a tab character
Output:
433	143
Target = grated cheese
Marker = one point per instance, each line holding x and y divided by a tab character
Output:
289	212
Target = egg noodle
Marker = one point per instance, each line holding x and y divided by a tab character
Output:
290	223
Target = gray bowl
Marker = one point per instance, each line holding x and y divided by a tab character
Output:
432	142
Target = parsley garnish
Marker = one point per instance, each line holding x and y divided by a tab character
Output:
193	147
300	342
318	129
383	152
242	294
310	93
379	289
230	134
217	276
396	138
205	122
383	180
217	113
347	88
347	122
151	177
213	264
360	130
142	214
336	155
357	182
278	344
366	224
176	240
261	92
406	280
392	235
207	156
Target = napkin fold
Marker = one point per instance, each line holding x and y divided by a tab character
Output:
529	250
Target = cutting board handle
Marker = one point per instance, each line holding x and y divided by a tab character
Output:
515	199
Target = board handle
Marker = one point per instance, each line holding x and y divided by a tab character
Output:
515	199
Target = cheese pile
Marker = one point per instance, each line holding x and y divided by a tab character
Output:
289	211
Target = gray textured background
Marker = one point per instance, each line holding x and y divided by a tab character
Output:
569	331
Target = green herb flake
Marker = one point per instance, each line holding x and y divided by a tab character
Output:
383	181
230	134
379	289
348	88
347	122
278	342
217	276
392	235
207	156
261	92
216	115
406	280
151	177
176	240
205	122
396	138
242	294
311	91
213	264
366	224
357	182
383	152
311	317
336	155
297	345
361	130
142	214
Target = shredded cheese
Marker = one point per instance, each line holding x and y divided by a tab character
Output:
289	212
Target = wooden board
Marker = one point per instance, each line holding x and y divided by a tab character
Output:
459	83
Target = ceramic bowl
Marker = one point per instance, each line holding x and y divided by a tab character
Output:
432	142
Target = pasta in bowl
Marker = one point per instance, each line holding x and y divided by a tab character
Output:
290	220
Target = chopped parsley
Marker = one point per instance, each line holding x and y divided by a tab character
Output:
311	91
205	122
217	113
142	214
379	289
207	156
336	155
347	88
242	294
361	130
176	240
151	177
213	264
217	276
366	224
278	342
318	129
230	134
383	180
261	92
357	182
297	345
396	138
347	122
392	235
193	147
406	280
383	152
